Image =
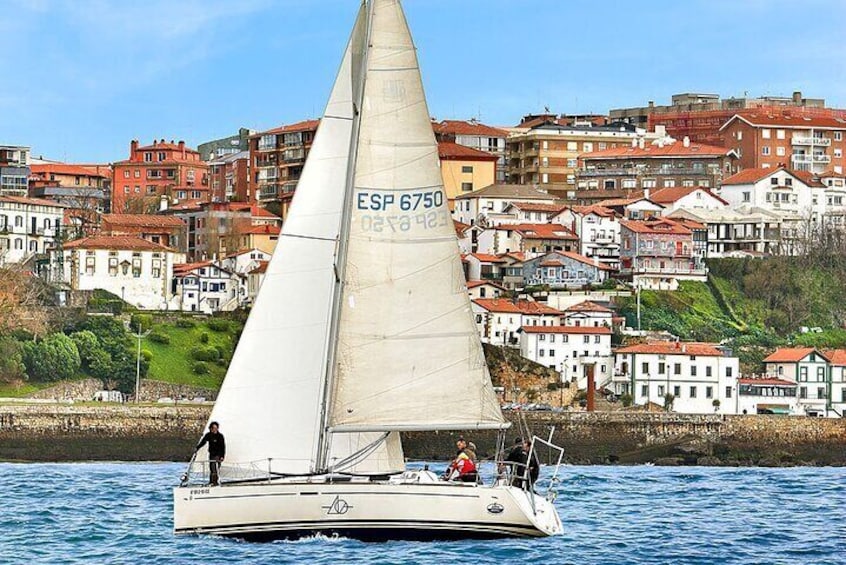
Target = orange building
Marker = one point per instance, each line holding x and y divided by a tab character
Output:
163	168
277	158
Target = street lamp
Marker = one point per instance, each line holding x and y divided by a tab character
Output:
140	335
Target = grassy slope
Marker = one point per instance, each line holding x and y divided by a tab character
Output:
19	390
172	362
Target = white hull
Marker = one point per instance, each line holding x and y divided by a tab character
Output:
363	510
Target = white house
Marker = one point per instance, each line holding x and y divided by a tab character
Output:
208	287
527	238
530	212
487	207
837	369
687	198
569	349
701	378
598	229
245	260
809	369
484	289
588	314
777	190
28	226
254	279
766	395
499	319
136	270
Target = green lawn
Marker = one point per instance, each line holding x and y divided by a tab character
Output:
21	389
173	363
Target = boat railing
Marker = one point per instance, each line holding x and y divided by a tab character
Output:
518	474
199	471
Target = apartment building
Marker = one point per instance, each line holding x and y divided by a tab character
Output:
478	136
464	169
152	171
569	350
14	170
658	253
277	158
598	229
769	140
217	148
499	320
489	206
746	232
229	177
547	155
28	226
85	191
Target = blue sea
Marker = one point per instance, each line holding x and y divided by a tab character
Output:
121	513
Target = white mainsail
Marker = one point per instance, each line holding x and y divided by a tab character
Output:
409	355
268	406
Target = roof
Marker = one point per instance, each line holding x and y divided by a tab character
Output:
159	145
598	330
461	127
259	212
261	229
751	176
64	169
623	202
549	260
790	354
597	209
673	348
475	284
32	201
772	381
143	220
541	231
836	356
674	194
304	125
511	191
587	306
182	268
786	120
261	268
505	306
245	251
449	151
655	151
656	226
122	242
460	227
538	207
487	258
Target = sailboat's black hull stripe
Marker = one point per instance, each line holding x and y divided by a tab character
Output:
260	495
370	530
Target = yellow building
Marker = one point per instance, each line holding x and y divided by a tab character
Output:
465	169
262	237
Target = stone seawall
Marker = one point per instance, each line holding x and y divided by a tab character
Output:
131	433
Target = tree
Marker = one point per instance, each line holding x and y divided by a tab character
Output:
669	399
117	367
12	367
54	358
22	301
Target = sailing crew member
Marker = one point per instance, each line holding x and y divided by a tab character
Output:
217	451
533	464
514	462
462	468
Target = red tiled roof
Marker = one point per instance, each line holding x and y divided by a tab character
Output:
259	212
243	251
261	229
516	255
597	209
449	151
622	202
832	174
64	169
538	207
474	284
162	146
676	149
261	268
690	224
541	231
790	354
487	258
505	306
582	259
836	356
785	120
460	127
460	228
32	201
182	268
808	178
675	193
588	306
304	125
751	176
655	226
673	348
765	381
597	330
143	220
123	242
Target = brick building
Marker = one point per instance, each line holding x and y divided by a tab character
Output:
229	177
83	190
155	228
277	158
171	169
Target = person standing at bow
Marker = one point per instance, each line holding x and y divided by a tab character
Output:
217	451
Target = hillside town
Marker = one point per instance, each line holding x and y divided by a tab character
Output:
557	217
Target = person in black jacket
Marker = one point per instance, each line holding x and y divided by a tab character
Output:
514	462
217	451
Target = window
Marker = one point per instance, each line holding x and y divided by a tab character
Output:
765	150
113	264
572	163
596	339
677	391
19	221
669	183
838	136
820	373
739	135
803	374
660	390
544	178
662	368
148	157
780	151
467	187
161	155
466	169
788	182
644	368
572	146
709	392
610	184
779	134
540	352
765	133
587	339
693	392
629	183
728	392
587	147
542	337
649	183
707	371
126	174
803	392
552	353
693	370
820	392
644	390
747	196
677	369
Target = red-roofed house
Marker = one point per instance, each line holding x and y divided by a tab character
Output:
277	157
486	266
687	198
809	368
464	169
165	230
557	270
498	319
568	349
659	165
589	314
598	229
767	395
527	238
208	287
484	289
477	136
837	370
773	139
700	378
244	261
155	170
82	188
659	253
133	268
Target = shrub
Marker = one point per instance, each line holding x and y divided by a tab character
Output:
200	368
142	321
218	325
147	355
11	360
185	323
204	353
55	358
626	399
159	337
221	351
204	337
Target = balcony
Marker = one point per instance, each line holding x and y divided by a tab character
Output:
657	270
811	158
592	173
603	239
802	140
269	192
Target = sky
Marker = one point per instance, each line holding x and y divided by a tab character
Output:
81	78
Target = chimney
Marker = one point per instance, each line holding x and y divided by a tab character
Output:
640	143
182	147
646	193
797	98
133	147
686	141
163	203
651	103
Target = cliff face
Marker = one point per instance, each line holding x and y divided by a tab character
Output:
130	433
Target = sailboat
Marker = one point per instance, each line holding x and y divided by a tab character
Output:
362	329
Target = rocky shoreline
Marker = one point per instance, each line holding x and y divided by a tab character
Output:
68	432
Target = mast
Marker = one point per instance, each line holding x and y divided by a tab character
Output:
358	79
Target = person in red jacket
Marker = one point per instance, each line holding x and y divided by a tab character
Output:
462	468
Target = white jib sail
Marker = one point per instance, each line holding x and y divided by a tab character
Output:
268	406
409	355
